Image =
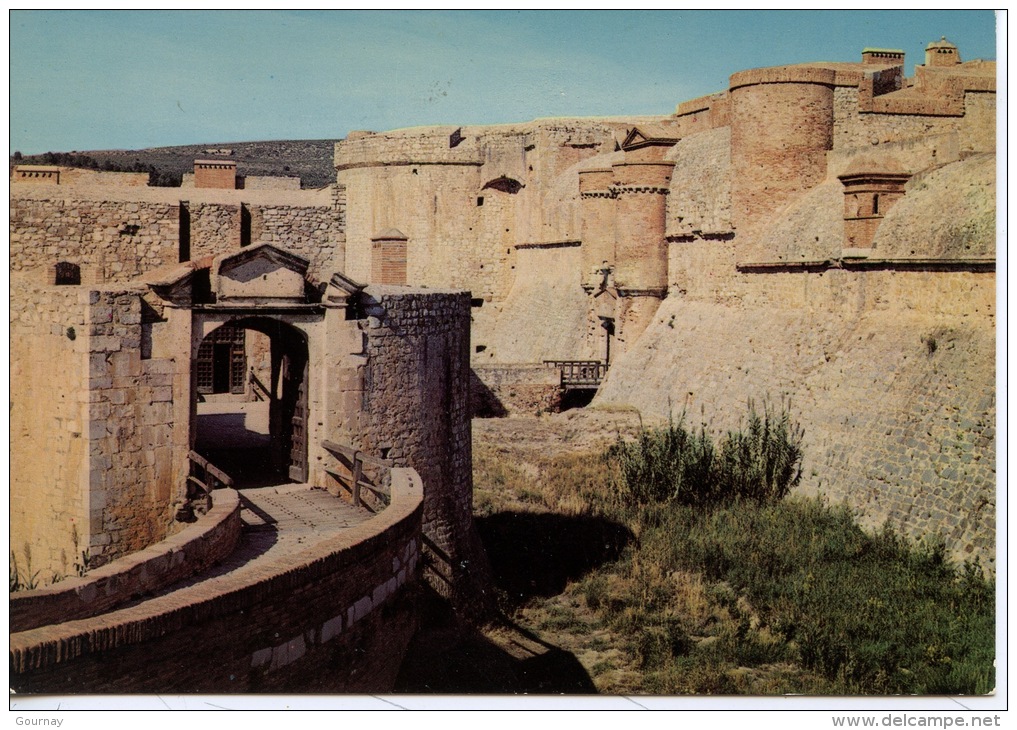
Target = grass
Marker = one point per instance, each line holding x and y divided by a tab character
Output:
743	596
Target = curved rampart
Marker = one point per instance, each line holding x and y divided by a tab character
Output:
336	616
190	551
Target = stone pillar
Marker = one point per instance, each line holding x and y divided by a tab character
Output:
597	230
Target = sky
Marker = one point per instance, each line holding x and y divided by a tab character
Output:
90	80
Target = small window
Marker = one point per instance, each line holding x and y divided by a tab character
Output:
67	274
480	202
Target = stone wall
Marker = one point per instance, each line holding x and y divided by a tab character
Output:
133	485
316	233
501	390
215	228
465	205
79	176
110	241
700	200
336	618
896	426
117	233
49	343
92	435
269	182
974	122
544	316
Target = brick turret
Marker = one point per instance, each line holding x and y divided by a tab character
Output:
871	188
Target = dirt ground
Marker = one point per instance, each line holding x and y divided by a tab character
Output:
516	652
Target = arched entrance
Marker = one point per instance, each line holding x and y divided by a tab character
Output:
251	375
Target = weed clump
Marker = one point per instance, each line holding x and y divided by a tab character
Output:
761	462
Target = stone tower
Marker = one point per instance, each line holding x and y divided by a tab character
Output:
781	129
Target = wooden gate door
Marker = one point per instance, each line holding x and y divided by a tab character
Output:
298	423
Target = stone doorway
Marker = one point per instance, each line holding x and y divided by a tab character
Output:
251	420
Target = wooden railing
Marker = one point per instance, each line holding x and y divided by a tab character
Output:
580	373
258	389
352	478
203	479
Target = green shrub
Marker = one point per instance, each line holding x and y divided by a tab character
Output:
673	464
762	462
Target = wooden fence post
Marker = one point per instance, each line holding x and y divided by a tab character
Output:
358	469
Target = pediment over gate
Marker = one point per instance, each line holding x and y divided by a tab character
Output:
260	274
647	137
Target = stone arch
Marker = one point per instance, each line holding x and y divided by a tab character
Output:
258	432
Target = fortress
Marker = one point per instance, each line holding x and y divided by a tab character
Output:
821	232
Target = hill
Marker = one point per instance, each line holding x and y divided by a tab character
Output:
311	159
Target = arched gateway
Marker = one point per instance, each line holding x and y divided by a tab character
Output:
261	334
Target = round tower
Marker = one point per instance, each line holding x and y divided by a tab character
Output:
640	189
781	128
597	225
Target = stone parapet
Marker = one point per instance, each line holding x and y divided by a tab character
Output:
433	146
192	550
338	598
783	75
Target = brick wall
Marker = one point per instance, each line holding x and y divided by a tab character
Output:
388	261
781	128
215	175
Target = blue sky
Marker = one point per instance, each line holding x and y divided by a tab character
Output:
116	79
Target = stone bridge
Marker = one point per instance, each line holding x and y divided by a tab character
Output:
279	588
